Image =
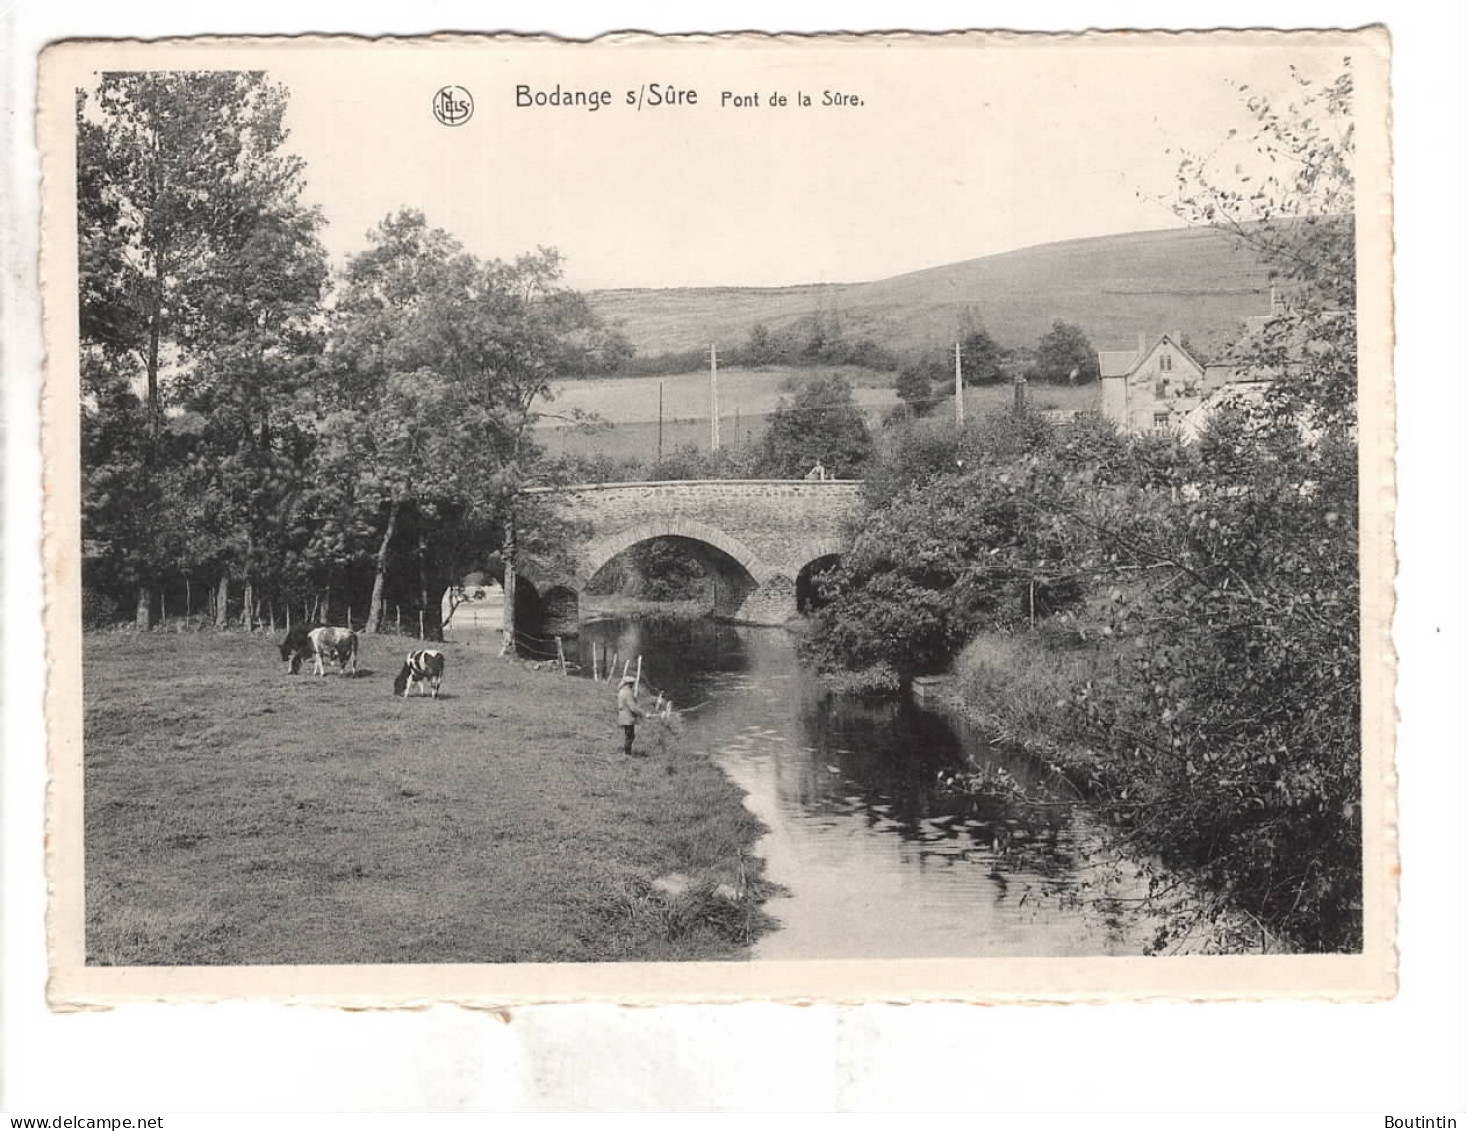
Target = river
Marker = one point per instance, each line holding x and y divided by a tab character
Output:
877	858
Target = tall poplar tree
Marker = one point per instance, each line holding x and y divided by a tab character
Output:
176	172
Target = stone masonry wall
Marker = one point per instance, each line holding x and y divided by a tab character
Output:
770	528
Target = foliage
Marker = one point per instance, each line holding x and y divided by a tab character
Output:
982	359
199	279
664	571
442	362
821	423
1064	355
1207	597
914	387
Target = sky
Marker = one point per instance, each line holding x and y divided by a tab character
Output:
959	148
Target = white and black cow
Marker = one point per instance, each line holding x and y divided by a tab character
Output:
320	642
421	668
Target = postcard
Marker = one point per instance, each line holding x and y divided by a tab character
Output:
851	518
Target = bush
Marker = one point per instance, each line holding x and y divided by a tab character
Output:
98	609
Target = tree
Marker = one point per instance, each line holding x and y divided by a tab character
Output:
1065	356
914	388
821	423
444	361
982	359
261	300
174	172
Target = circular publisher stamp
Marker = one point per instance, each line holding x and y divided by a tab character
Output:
452	105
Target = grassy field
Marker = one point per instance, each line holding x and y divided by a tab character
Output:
685	396
237	815
1185	280
633	435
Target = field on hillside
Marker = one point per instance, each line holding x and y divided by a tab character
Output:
1184	280
634	436
686	396
237	815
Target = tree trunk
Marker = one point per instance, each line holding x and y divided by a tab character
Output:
509	578
379	583
144	620
248	619
221	607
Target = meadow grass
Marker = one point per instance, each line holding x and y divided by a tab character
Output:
1014	686
627	407
234	814
686	396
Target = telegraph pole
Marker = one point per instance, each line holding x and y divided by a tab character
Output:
659	420
961	408
714	438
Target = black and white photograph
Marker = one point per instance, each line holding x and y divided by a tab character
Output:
653	519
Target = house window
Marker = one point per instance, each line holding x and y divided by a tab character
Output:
1165	363
1161	419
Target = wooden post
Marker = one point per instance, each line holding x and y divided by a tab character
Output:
659	420
961	407
595	662
714	438
421	625
509	586
638	675
560	651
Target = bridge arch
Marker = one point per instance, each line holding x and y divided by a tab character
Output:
602	550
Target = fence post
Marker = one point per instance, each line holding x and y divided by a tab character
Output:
560	651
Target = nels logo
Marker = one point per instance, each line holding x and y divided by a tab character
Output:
452	105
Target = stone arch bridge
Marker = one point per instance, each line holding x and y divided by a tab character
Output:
755	537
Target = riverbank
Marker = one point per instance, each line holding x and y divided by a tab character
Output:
234	814
1018	689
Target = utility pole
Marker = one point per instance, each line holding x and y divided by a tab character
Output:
961	408
714	439
659	420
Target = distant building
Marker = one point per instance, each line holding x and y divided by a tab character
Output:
1153	388
1231	392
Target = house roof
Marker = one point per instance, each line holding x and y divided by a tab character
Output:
1121	363
1117	363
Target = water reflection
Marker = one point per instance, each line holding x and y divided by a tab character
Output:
879	857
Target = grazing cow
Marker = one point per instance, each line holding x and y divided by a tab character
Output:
321	642
296	646
422	667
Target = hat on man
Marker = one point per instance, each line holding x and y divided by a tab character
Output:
625	679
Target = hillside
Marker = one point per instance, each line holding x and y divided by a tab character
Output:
1190	281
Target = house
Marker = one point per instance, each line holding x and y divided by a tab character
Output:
1152	387
1233	391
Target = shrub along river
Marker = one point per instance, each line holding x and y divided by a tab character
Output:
878	855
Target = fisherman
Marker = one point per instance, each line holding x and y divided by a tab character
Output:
817	472
628	711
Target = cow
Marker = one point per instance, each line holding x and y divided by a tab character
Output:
422	667
320	642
